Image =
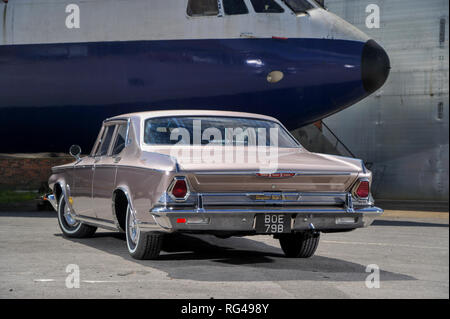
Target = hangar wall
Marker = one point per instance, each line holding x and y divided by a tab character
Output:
403	129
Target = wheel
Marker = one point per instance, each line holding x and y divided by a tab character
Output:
299	245
141	245
69	226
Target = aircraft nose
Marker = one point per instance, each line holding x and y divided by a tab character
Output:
375	66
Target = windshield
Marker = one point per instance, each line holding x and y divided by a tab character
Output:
222	131
299	6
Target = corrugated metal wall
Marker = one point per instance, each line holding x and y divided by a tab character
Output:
403	129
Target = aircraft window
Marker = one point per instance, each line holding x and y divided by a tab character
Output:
319	3
298	6
235	7
203	8
266	6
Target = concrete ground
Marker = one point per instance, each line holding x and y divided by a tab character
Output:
410	248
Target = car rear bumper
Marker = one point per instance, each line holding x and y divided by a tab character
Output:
226	219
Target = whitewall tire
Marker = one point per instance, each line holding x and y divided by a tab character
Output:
70	227
141	245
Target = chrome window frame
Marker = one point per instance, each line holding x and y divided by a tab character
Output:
97	141
105	125
118	123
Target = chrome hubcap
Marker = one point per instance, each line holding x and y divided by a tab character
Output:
133	229
69	217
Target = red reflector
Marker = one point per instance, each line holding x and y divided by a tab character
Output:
181	220
288	174
179	190
363	189
279	38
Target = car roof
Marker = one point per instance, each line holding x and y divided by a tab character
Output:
173	113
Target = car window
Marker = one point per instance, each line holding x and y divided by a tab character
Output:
203	8
120	141
266	6
228	130
232	7
97	142
106	140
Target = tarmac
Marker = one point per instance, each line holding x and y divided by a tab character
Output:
408	251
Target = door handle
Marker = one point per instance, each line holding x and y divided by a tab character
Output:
117	159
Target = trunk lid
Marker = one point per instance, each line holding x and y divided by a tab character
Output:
313	172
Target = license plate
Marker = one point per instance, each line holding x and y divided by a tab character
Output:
273	223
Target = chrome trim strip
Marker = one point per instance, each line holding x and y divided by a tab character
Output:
280	210
117	119
127	136
66	192
349	203
118	165
363	166
278	193
274	198
252	173
96	222
263	198
113	205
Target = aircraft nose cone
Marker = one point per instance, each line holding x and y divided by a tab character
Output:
375	66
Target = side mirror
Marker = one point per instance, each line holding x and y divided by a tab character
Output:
75	151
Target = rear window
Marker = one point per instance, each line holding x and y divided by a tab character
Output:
202	130
233	7
266	6
202	8
298	6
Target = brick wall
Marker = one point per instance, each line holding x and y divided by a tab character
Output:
27	173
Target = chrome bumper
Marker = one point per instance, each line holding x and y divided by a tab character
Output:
241	219
52	199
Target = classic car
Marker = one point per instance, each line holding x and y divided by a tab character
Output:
197	172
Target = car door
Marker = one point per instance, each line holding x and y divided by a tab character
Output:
83	173
105	173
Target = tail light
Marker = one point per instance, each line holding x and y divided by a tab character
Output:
179	189
363	189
